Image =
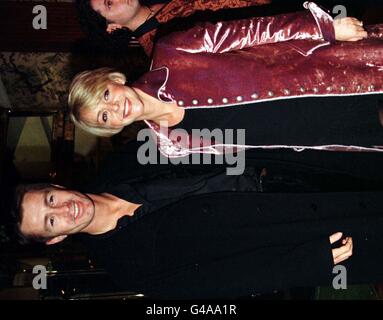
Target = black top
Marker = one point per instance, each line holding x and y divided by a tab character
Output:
167	187
352	120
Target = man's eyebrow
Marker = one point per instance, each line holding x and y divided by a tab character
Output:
45	223
45	195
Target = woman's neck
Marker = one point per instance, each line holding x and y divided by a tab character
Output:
166	114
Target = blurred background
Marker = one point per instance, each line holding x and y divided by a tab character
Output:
38	143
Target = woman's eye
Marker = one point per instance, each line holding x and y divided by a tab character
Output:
51	221
106	95
51	199
105	117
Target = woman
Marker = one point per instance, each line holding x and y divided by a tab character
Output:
260	69
140	18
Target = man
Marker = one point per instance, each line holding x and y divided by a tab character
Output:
208	235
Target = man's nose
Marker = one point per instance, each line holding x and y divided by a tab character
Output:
63	210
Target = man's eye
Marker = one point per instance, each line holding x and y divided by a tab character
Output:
51	221
51	199
105	117
106	95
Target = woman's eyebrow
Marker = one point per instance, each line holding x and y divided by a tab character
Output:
98	117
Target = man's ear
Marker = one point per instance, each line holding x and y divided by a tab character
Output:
113	27
58	186
55	240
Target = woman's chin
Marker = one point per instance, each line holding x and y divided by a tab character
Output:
128	121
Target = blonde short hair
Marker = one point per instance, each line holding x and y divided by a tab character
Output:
86	91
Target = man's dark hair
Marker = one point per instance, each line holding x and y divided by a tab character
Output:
18	211
95	26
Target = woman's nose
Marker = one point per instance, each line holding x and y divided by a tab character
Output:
113	106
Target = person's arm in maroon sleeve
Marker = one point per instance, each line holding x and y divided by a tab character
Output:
314	24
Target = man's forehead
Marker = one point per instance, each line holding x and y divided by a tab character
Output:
34	199
31	196
32	205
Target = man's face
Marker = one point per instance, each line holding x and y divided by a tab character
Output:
55	212
116	11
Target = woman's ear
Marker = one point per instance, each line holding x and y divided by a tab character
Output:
113	27
55	240
119	80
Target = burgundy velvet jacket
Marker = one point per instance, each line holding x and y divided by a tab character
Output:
184	8
261	59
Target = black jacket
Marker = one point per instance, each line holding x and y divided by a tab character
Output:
235	244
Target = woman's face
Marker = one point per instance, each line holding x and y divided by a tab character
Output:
119	107
116	11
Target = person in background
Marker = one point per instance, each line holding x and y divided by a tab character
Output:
118	21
